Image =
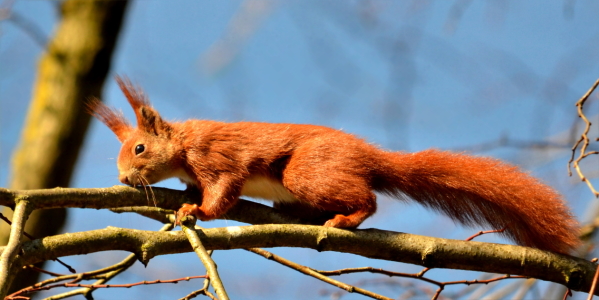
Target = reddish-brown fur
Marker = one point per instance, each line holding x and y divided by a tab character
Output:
331	171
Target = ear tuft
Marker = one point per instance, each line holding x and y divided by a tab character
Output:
111	118
148	119
134	94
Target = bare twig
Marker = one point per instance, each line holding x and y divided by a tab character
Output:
8	256
154	213
584	139
187	224
109	273
418	276
42	270
204	290
98	286
472	288
316	274
592	291
104	275
5	219
128	285
486	232
30	237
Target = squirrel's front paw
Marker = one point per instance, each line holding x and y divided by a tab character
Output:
187	210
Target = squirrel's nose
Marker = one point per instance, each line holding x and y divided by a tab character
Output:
124	179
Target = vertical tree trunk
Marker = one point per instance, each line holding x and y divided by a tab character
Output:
72	69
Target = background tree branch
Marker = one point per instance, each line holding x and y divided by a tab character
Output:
72	69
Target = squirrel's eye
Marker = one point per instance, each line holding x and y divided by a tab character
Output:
139	149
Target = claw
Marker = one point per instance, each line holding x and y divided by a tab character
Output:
186	210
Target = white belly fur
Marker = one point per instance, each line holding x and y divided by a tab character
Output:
266	188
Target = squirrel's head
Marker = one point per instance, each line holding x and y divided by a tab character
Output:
147	155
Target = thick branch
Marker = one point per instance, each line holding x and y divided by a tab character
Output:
123	196
575	273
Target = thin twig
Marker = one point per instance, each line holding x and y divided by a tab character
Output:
32	267
30	237
315	274
204	289
419	276
584	139
97	286
592	291
104	275
154	213
187	224
128	285
109	274
485	232
5	219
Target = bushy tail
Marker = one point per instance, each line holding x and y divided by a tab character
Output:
484	191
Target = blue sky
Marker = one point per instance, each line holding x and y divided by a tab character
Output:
407	75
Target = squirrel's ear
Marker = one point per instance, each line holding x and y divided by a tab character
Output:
111	118
148	119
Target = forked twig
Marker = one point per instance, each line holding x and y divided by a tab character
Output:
30	237
584	139
204	290
103	275
420	275
187	224
315	274
74	283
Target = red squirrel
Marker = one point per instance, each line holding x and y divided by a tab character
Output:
330	171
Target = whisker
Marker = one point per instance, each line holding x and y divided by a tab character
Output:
153	196
141	180
151	190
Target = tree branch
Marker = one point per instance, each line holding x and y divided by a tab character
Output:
575	273
124	196
310	272
187	225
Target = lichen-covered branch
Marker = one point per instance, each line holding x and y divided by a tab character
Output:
575	273
420	250
124	196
